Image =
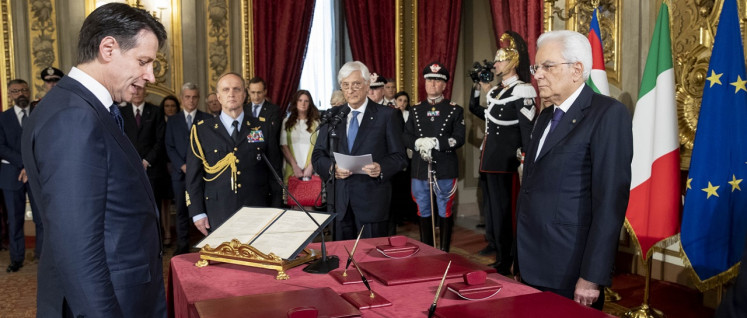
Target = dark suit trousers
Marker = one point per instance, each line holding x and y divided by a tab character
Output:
498	216
183	221
348	227
15	203
568	293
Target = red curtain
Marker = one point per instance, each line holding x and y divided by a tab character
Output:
281	31
371	32
438	38
521	16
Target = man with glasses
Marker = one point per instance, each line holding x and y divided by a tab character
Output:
13	179
508	120
576	177
362	197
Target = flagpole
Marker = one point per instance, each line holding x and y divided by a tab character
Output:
644	311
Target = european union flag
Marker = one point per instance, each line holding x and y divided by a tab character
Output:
714	221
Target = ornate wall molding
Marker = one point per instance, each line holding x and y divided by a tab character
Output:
43	42
405	46
7	72
247	38
577	17
693	26
218	40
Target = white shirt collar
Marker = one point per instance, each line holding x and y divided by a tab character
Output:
135	108
96	88
566	104
193	113
510	80
361	109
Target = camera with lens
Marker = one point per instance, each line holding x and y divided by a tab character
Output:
482	72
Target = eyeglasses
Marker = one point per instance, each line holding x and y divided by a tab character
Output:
17	91
353	86
546	66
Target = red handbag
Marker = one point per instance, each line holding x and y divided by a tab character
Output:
306	192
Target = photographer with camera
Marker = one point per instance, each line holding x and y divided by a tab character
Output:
509	117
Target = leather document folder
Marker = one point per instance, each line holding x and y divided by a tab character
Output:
325	300
421	268
544	304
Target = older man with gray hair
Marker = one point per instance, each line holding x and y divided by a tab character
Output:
361	197
576	177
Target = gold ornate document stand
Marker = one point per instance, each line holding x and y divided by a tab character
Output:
235	252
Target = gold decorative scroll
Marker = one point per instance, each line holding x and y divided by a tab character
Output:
399	43
247	38
7	71
693	26
414	90
43	42
406	46
218	40
235	252
610	13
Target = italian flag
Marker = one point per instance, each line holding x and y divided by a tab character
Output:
598	78
654	207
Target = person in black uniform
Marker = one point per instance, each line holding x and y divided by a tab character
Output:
434	130
225	169
508	122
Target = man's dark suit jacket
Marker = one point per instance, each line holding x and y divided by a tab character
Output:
102	253
177	141
269	114
148	138
574	195
379	134
254	179
10	150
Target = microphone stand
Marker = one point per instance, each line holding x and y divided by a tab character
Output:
325	264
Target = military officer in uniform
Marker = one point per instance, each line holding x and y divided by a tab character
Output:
376	89
50	76
435	130
508	121
225	169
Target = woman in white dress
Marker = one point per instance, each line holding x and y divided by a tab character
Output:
296	138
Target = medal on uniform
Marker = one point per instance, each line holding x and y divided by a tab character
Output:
255	135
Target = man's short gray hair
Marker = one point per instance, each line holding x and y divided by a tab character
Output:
576	47
189	86
351	67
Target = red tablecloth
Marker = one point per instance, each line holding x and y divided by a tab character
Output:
189	284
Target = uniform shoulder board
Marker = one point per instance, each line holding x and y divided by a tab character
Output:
200	122
524	91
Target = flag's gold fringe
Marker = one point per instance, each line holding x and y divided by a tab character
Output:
715	281
659	246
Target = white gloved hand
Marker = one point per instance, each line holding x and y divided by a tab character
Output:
424	146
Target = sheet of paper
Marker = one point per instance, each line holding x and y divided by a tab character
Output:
353	163
244	225
292	226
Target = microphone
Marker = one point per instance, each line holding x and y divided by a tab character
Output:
333	116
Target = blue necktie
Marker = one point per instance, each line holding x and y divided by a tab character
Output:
189	122
117	116
353	130
255	111
556	116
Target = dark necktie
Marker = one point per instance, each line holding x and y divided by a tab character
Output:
255	110
23	117
137	117
117	116
353	130
189	122
556	116
235	133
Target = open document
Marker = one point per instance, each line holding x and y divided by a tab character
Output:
282	232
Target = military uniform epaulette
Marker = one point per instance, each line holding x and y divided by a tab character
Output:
524	90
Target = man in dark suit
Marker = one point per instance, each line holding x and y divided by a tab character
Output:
225	169
362	197
177	148
435	130
102	255
145	126
13	180
269	114
576	177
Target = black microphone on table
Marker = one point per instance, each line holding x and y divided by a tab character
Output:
324	264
